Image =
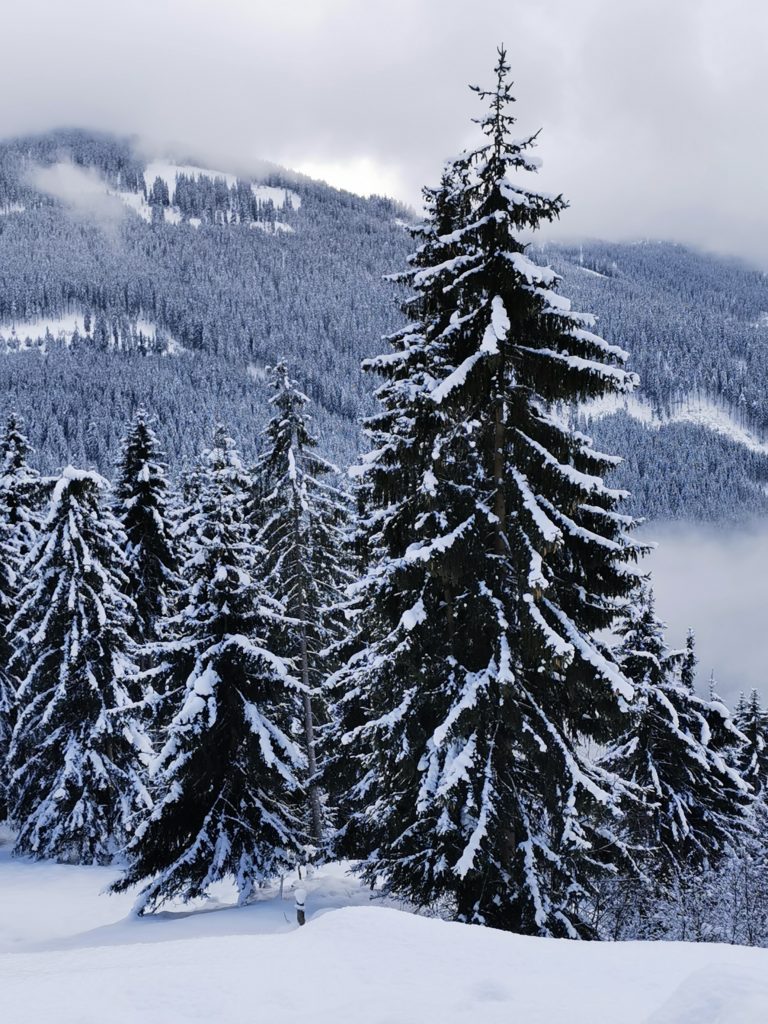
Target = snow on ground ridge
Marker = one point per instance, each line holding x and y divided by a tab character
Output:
69	953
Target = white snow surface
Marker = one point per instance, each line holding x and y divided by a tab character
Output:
23	334
272	227
697	409
35	330
167	172
95	188
69	954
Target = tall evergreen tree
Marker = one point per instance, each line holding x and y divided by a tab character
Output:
303	521
695	800
21	494
7	685
76	776
141	505
752	722
497	555
226	780
689	662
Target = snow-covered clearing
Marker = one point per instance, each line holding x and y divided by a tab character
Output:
272	227
18	335
698	410
24	333
87	191
71	955
167	172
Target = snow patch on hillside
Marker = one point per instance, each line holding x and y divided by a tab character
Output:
135	202
12	208
272	227
168	171
256	371
85	190
698	410
281	198
40	333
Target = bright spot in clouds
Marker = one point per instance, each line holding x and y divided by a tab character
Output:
361	175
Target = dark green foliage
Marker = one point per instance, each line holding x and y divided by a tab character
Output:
75	766
674	748
141	505
302	524
496	555
226	779
752	759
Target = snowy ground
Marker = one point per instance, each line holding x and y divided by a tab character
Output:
71	955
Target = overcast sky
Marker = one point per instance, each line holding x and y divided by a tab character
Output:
653	112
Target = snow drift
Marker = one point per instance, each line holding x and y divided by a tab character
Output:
71	955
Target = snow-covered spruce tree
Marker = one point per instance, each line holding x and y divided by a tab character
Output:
7	685
21	495
696	799
141	505
752	759
22	492
228	799
693	813
303	521
469	707
689	662
75	774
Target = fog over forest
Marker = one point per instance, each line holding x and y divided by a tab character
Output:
715	579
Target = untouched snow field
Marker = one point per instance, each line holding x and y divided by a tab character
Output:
71	955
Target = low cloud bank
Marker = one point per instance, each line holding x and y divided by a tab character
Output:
82	190
715	579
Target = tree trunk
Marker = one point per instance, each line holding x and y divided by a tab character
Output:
500	501
315	810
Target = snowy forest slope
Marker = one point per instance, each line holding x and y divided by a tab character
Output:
124	281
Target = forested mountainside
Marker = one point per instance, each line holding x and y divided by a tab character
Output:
125	281
122	283
696	327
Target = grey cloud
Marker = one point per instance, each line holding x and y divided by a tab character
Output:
652	111
82	191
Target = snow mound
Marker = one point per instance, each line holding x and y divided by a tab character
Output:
719	995
70	954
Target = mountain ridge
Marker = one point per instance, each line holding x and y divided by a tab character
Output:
172	266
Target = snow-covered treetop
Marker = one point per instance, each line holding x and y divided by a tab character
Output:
15	449
223	457
290	452
503	154
71	475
